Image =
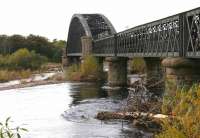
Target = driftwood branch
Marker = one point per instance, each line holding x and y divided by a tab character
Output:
128	115
147	121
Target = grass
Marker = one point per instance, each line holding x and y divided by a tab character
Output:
185	107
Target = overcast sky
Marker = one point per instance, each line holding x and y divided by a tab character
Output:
51	18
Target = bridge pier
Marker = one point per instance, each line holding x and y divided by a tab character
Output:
154	75
180	72
117	74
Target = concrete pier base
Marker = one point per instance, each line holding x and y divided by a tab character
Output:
180	72
117	74
154	75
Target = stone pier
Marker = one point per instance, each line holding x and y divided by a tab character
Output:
117	74
154	75
86	43
180	72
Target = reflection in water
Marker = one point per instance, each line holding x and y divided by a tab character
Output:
66	111
91	91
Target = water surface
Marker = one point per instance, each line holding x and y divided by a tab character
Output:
66	110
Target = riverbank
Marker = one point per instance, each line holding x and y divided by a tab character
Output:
31	84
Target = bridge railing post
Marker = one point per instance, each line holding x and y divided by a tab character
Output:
184	35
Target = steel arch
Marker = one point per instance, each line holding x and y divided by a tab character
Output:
96	26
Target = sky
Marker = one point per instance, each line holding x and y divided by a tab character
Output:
51	18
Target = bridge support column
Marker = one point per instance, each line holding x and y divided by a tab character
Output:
154	75
117	74
180	72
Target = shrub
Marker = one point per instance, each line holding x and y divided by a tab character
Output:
137	65
185	106
23	59
89	66
89	70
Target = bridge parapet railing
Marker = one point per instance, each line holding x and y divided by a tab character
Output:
192	33
104	46
177	35
155	39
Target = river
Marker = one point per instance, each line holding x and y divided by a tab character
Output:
66	110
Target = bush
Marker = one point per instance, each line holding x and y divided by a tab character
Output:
89	66
22	59
137	65
186	109
89	70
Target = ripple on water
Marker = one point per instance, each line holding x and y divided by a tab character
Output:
86	111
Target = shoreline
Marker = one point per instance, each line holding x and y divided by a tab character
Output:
32	84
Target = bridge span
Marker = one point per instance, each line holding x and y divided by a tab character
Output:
169	46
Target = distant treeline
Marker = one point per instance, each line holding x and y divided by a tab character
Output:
38	44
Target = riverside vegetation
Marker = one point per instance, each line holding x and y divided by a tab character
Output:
184	106
89	70
137	65
21	56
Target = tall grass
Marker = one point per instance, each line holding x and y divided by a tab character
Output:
185	106
6	75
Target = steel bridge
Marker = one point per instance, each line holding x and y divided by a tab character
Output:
173	36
